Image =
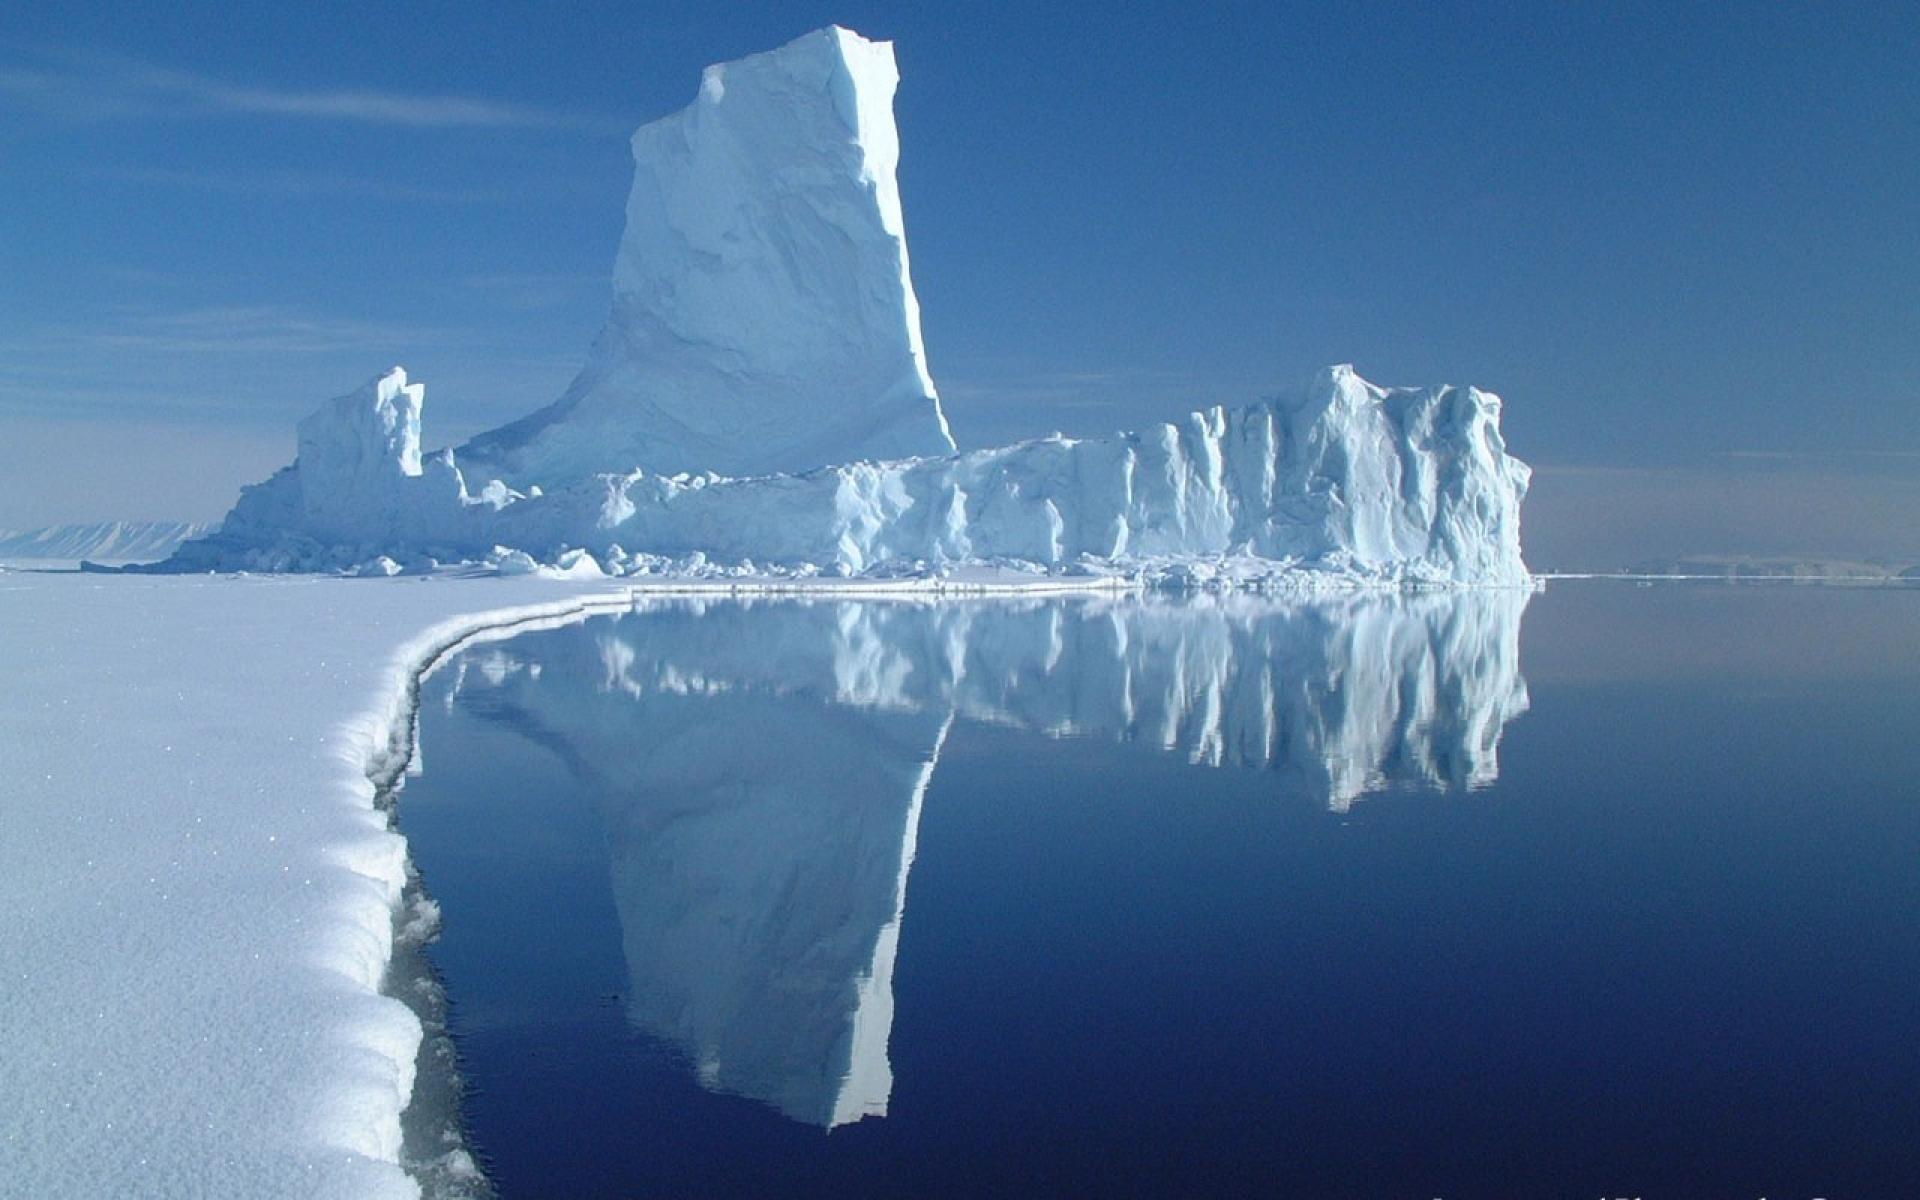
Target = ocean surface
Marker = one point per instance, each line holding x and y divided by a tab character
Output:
1609	891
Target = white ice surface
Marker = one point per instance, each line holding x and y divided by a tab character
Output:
197	885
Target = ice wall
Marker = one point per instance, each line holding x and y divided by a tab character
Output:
1405	485
1351	480
763	316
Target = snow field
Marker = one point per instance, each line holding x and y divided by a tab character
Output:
200	891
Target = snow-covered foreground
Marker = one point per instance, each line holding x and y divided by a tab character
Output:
198	888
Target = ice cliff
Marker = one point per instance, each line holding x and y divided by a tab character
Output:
763	317
760	398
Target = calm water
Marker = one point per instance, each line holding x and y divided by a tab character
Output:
1615	892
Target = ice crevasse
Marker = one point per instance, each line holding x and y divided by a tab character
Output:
760	396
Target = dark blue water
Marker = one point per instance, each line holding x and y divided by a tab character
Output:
1616	893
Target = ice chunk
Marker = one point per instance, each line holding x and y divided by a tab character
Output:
379	567
508	561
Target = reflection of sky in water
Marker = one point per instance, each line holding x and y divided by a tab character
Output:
760	770
754	779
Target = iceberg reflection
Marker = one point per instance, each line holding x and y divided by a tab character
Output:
760	768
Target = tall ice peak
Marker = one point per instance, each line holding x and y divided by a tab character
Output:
763	316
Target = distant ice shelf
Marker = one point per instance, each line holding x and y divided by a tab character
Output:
102	541
759	403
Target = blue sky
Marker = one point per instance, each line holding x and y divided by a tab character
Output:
1682	241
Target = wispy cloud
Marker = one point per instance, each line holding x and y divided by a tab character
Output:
1814	456
103	87
1894	466
253	362
298	183
237	330
988	383
1000	400
533	291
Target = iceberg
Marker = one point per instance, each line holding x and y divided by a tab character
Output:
760	397
203	894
